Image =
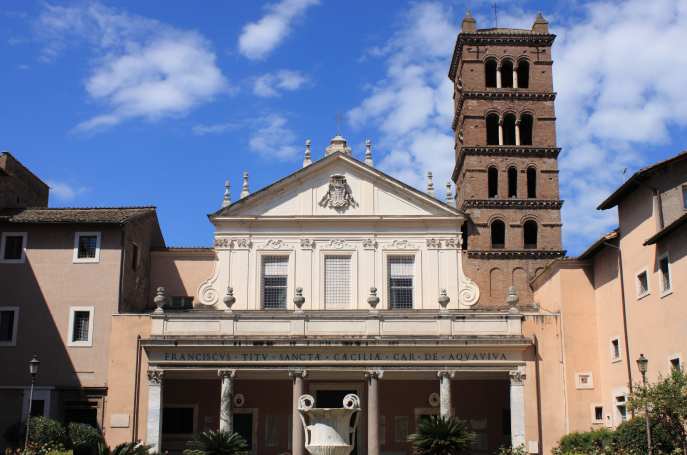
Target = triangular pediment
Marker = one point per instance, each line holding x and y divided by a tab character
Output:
360	191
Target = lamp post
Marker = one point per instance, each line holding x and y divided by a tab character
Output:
33	370
642	364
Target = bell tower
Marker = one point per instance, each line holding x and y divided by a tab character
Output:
506	168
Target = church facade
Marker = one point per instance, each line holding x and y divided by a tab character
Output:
339	279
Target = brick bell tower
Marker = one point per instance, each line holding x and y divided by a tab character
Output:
506	167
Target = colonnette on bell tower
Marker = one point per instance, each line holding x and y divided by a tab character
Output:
506	167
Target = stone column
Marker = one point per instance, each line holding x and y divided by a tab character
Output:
297	436
517	407
498	77
445	406
515	77
373	378
500	131
154	425
517	132
226	416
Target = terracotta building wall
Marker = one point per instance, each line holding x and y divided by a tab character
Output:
181	271
18	186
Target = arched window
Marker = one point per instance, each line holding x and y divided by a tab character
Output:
492	129
523	74
526	129
512	182
530	234
493	182
509	129
498	234
507	74
490	73
531	182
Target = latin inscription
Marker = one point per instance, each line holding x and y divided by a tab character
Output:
328	356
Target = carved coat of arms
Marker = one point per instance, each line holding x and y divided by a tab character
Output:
339	195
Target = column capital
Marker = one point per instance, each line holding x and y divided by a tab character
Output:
374	374
297	373
155	376
226	373
446	373
517	377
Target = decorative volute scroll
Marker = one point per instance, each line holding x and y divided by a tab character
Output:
208	293
468	291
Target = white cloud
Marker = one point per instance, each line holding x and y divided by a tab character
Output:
273	139
412	105
620	87
143	68
270	84
215	128
65	192
259	38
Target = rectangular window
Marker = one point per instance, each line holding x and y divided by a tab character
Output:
180	303
675	363
87	247
8	325
401	270
621	406
584	381
598	414
642	284
13	247
615	349
275	271
337	282
684	196
80	326
664	271
178	420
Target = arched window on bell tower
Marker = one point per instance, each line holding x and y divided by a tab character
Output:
523	73
526	129
507	74
512	182
531	182
492	129
492	182
509	129
529	232
490	73
498	234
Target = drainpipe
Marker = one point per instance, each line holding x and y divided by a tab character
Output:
137	386
624	306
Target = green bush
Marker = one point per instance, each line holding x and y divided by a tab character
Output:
631	436
46	435
588	442
84	438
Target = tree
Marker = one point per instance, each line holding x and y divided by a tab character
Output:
666	402
441	436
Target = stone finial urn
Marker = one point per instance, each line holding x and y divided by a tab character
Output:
329	431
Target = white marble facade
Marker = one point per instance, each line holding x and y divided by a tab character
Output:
338	206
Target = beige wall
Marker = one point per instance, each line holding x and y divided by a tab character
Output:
45	286
181	271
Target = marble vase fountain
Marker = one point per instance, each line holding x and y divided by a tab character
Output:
329	431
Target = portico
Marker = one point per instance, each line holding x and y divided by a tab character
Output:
399	379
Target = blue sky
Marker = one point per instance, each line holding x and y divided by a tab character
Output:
159	102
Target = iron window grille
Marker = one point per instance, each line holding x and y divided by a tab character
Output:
401	270
87	246
82	320
274	281
337	281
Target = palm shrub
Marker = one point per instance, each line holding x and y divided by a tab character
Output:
127	448
217	443
441	436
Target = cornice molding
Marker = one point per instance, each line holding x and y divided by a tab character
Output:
550	204
496	38
515	254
